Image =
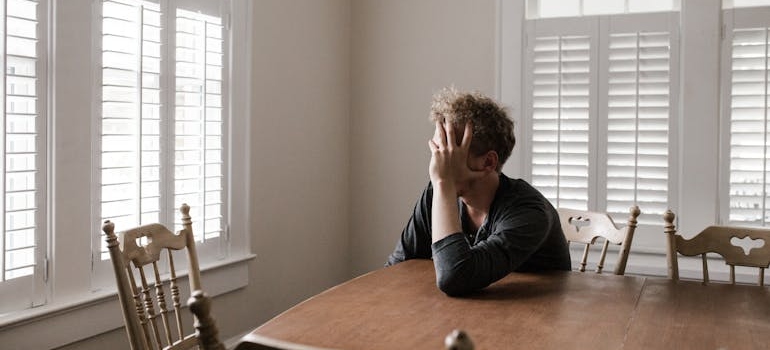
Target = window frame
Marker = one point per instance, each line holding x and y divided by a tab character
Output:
600	27
213	249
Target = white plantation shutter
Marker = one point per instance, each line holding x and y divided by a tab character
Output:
163	117
131	113
638	114
199	126
746	46
23	150
561	92
600	96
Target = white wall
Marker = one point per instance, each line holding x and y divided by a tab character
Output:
300	152
403	52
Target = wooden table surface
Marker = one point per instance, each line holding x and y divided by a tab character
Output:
400	307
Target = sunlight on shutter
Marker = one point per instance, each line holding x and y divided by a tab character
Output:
637	124
22	143
131	111
560	105
748	127
199	128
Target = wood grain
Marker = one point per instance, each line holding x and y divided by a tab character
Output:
400	307
690	315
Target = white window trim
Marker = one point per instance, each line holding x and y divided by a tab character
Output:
700	24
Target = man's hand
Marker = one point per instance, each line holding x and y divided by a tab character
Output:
449	159
448	167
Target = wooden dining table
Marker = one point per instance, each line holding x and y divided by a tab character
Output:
400	307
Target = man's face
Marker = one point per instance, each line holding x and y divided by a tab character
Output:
475	170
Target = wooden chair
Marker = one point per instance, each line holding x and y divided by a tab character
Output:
585	227
146	313
718	239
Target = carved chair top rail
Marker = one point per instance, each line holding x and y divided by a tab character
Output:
720	240
586	226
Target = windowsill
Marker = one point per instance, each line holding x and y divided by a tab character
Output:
99	312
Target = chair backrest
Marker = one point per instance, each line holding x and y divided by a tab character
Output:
149	324
719	240
585	227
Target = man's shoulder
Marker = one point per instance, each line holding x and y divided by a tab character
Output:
521	197
517	187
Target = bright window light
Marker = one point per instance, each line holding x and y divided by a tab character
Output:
578	8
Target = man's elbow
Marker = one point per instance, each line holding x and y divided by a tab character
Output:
452	284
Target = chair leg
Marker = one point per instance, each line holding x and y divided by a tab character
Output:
732	274
600	266
585	258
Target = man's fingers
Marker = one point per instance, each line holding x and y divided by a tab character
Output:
467	135
435	133
432	145
450	134
441	133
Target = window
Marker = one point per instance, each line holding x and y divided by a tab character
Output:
746	116
163	118
161	104
600	94
577	8
24	152
727	4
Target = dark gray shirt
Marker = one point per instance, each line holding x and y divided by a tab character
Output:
521	233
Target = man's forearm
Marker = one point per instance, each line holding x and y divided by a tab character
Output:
444	212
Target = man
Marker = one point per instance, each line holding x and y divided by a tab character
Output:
477	224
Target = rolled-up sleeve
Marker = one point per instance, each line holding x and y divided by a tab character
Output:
461	269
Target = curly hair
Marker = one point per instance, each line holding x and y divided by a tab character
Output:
492	129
